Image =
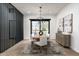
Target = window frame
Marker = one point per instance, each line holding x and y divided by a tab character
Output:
40	24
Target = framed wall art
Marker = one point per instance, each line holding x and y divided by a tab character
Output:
67	24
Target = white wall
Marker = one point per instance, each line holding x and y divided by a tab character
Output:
27	25
72	8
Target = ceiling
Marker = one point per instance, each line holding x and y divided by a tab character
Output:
33	8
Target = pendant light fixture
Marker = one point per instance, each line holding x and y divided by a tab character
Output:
40	32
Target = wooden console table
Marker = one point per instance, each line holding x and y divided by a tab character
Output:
63	39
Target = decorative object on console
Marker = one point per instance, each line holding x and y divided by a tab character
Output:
60	28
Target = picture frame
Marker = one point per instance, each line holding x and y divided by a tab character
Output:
67	24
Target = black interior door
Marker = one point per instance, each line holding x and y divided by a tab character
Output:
12	32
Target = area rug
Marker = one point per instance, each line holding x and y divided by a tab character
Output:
53	50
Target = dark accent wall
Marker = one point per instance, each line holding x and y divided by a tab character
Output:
11	26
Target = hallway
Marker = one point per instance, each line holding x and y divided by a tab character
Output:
21	49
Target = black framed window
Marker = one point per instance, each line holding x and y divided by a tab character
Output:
40	24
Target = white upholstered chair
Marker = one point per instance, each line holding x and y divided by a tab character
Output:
42	43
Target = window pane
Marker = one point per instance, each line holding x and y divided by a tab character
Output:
44	26
40	25
35	27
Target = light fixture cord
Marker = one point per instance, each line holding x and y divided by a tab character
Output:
40	12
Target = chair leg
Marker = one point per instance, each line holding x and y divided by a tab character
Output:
46	49
40	49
